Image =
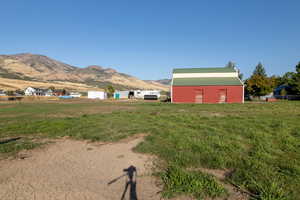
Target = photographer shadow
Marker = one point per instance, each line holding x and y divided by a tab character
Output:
131	182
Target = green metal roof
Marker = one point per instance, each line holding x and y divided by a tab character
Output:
206	81
204	70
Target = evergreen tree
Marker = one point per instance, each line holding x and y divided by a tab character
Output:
287	78
230	64
240	75
296	80
298	68
259	84
260	70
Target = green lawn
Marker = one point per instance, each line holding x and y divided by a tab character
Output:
259	142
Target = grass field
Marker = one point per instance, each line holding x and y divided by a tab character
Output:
258	143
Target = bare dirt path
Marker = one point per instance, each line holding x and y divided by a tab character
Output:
77	170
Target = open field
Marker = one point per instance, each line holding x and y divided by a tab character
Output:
255	146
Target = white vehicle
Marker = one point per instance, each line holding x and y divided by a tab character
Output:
75	94
142	94
97	95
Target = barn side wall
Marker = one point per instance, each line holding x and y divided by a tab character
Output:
186	94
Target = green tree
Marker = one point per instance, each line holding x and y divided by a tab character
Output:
276	81
283	92
259	85
287	78
291	79
295	83
240	75
230	64
260	70
298	68
10	93
64	92
51	88
110	91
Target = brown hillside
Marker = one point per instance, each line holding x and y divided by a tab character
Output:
38	68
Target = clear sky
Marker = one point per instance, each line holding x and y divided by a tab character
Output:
147	38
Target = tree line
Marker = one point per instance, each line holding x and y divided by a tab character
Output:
260	84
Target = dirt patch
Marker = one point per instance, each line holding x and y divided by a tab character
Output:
69	169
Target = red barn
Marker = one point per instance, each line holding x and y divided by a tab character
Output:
206	85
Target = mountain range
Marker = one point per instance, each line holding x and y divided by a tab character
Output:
23	70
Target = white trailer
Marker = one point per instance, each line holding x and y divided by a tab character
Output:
142	93
97	95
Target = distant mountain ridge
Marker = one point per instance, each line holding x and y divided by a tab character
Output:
165	82
40	68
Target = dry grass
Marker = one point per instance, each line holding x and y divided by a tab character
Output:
13	84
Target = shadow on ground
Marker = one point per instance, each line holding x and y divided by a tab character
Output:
131	175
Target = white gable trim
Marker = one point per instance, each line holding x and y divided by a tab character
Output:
204	75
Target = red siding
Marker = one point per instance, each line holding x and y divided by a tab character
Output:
186	94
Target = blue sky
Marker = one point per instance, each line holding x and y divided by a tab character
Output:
147	38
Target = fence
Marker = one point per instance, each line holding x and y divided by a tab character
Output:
288	97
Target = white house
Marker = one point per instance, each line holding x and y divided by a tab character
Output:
97	95
30	91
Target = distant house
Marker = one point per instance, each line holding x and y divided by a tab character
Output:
206	85
59	92
31	91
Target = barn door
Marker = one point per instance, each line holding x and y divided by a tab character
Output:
198	96
222	96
